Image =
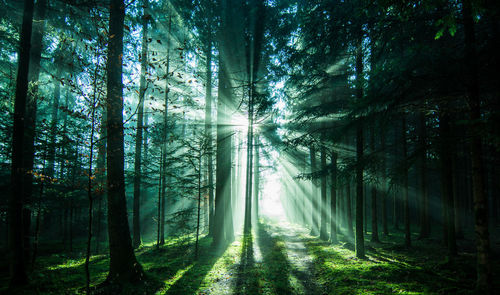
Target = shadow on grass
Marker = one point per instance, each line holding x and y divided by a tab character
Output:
247	276
188	278
277	268
382	273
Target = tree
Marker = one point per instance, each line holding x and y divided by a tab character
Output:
139	140
16	198
123	266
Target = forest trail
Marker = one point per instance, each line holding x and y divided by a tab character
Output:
274	260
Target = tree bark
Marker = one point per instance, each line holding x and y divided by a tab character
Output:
406	204
484	277
359	238
16	198
31	114
322	207
447	183
333	201
138	138
123	266
422	170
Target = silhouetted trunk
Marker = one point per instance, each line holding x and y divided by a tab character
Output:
199	205
359	239
16	197
53	122
223	152
208	134
422	171
256	181
406	204
373	192
314	194
323	234
164	142
138	138
447	183
123	266
333	200
348	207
30	118
384	189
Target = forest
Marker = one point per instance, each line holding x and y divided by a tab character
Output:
249	147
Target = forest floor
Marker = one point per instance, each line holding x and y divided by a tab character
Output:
278	258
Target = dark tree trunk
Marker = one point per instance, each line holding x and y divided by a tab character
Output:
30	118
333	201
374	193
406	203
348	207
164	143
138	139
322	207
314	194
422	170
384	190
256	181
123	266
484	277
223	153
16	198
359	239
208	134
447	183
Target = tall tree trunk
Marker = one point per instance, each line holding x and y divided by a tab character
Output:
348	207
422	170
374	192
123	266
323	234
333	201
256	181
164	143
359	239
208	134
16	197
249	172
406	204
138	139
53	123
223	151
385	189
30	118
314	194
447	183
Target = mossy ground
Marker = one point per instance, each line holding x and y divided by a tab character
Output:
272	260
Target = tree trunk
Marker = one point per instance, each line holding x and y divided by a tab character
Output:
223	152
16	198
447	183
406	204
322	207
30	118
333	201
359	239
422	170
208	134
138	139
374	192
123	266
164	143
314	194
385	190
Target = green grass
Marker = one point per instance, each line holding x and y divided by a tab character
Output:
390	268
265	262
